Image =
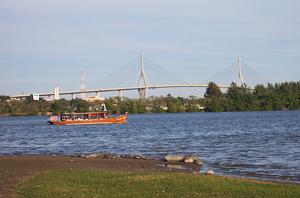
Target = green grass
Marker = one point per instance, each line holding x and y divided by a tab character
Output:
94	184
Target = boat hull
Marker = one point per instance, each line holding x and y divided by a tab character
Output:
114	120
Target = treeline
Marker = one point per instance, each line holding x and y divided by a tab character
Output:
26	106
279	96
115	105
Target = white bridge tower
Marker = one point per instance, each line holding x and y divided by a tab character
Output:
56	93
82	85
241	81
142	83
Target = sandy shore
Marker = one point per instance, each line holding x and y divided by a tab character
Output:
14	169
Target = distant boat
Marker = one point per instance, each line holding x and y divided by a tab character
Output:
102	117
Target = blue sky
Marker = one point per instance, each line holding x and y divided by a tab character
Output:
48	43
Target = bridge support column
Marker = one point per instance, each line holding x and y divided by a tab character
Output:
142	83
143	93
241	81
121	94
98	94
56	93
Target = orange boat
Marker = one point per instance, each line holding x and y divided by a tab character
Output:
87	118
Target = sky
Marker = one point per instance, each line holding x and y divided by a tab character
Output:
44	44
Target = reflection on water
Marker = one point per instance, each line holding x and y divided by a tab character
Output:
251	144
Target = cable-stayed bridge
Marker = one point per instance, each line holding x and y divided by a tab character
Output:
142	87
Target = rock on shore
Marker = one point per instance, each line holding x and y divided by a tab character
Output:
182	158
190	159
210	172
174	158
111	156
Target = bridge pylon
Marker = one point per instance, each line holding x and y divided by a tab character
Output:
82	85
241	80
142	82
56	93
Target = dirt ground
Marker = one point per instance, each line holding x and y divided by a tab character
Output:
14	169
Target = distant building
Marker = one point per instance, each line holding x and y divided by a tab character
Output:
49	99
200	107
165	108
13	99
94	98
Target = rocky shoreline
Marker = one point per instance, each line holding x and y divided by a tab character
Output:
17	168
172	161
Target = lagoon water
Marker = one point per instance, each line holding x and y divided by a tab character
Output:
264	145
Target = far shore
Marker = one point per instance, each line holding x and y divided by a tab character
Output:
23	114
49	113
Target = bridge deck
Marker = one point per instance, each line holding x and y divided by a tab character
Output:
123	89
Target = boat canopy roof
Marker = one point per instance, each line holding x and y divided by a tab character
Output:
86	113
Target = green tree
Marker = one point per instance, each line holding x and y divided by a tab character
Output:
78	105
212	91
172	108
4	104
61	106
213	98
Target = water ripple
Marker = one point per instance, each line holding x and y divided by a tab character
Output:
253	144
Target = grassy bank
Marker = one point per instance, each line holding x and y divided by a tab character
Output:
120	184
